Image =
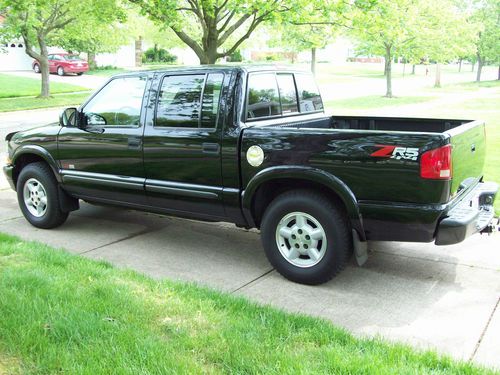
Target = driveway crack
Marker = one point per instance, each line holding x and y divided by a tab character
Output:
140	233
478	344
253	280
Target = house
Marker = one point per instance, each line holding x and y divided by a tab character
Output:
13	55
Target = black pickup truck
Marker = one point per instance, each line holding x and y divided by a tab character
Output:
253	146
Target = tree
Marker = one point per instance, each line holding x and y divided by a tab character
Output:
39	21
299	38
446	33
487	16
97	36
217	28
386	29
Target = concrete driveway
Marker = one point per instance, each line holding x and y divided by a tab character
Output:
432	297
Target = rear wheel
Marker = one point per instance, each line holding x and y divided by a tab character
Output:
36	68
306	236
60	71
38	196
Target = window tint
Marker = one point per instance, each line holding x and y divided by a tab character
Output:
179	101
309	97
211	98
118	103
288	94
263	97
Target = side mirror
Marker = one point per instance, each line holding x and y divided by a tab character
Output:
69	117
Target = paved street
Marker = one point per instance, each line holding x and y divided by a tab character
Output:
439	297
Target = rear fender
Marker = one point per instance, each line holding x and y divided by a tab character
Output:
317	176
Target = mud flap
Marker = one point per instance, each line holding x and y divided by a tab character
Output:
360	249
66	202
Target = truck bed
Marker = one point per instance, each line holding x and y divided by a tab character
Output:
420	125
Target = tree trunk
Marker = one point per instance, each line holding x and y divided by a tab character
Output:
459	65
404	68
473	65
388	71
44	67
91	60
498	78
387	62
413	69
437	83
313	60
138	51
479	68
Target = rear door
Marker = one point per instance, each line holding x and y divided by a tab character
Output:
182	144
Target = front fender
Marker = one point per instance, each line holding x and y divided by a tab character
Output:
318	176
38	151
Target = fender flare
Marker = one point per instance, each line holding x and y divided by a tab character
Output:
41	152
318	176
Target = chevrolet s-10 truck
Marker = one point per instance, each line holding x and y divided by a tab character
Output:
253	146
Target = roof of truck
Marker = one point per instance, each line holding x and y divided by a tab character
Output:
244	68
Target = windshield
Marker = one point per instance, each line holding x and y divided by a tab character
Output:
72	58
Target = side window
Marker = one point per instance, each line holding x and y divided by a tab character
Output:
179	101
263	96
309	96
288	93
211	99
118	103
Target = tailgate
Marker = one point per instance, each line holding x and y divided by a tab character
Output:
468	152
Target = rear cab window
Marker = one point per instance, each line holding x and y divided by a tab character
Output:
281	94
189	101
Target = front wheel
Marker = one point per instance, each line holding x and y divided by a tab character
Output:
38	196
36	68
60	71
306	236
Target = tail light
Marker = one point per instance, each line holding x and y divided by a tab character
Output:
436	164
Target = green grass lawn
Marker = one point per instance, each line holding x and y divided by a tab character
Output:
15	86
62	313
105	72
59	100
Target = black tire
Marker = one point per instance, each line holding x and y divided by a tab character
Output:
79	73
36	68
60	71
336	229
53	216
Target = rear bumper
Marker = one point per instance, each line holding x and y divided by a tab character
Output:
8	171
75	69
470	215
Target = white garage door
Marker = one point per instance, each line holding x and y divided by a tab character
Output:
14	57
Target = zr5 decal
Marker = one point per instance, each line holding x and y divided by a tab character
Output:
396	152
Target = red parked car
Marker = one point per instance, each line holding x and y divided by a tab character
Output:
62	63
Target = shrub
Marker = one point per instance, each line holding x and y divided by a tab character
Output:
158	55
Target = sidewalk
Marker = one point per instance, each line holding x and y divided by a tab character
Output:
439	297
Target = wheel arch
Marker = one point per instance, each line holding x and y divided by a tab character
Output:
269	183
28	154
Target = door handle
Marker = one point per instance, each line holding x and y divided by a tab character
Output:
210	148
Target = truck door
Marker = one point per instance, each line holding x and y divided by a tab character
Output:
182	144
105	160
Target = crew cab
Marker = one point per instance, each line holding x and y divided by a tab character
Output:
253	146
